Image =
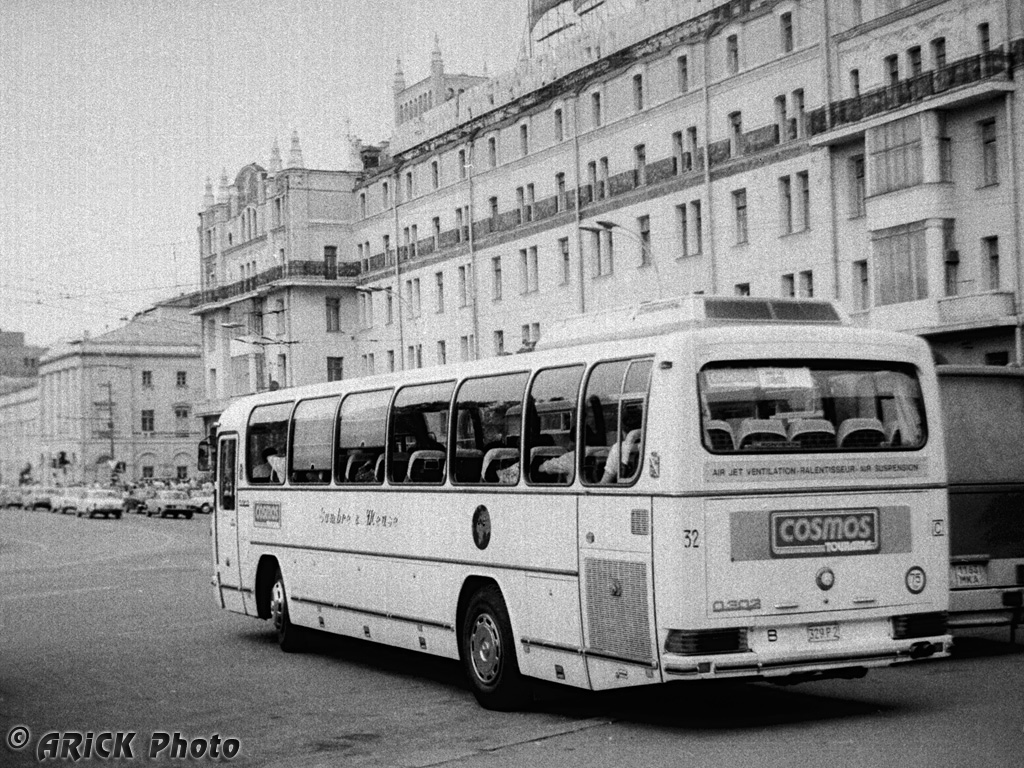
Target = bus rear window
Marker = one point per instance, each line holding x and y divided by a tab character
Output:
810	406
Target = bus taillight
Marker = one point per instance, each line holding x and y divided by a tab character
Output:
698	642
919	625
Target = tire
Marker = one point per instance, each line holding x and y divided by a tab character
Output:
488	653
117	515
188	515
290	637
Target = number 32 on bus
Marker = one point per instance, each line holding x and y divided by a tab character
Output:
779	473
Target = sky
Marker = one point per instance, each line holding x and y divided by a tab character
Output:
113	114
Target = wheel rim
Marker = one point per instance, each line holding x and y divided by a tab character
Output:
277	605
485	649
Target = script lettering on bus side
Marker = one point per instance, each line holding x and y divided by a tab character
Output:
366	519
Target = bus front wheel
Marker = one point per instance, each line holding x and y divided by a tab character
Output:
288	635
489	654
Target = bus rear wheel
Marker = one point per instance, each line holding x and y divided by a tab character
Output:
489	655
289	636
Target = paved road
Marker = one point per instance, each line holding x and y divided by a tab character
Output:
111	625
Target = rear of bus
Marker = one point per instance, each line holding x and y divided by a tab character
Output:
808	533
984	411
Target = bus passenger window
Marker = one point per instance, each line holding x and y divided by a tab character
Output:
265	443
488	420
312	428
362	424
613	413
549	447
418	437
810	406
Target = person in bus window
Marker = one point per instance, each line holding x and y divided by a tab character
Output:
621	456
265	469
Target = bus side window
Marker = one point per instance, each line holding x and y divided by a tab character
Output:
265	443
488	419
312	427
362	423
549	453
614	405
418	436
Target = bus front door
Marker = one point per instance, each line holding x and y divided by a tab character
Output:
616	590
225	532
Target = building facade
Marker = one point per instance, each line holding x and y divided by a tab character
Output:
19	434
276	296
868	152
124	399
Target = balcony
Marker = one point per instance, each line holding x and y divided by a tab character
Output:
978	308
286	271
942	315
992	65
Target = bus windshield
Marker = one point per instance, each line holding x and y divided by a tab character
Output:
799	406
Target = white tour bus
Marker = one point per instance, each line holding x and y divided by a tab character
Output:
698	488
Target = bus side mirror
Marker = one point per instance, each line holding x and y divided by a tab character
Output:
205	461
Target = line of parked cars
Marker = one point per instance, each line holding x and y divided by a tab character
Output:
110	502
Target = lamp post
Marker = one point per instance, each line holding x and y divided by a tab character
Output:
605	226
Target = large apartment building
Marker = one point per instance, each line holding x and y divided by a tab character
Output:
867	151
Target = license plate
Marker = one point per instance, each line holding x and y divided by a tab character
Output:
970	575
822	633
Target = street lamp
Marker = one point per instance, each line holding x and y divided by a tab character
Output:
647	256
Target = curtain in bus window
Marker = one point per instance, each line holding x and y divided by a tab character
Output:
362	423
312	431
613	413
266	441
488	419
418	440
549	445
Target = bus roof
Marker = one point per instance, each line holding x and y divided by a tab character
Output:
667	315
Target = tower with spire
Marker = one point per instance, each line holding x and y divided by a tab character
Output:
295	153
411	101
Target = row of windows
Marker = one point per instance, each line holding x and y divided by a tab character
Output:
491	430
597	114
180	379
415	358
899	273
181	420
914	60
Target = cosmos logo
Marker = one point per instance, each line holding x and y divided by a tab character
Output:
839	532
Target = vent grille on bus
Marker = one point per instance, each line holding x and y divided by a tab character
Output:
697	642
617	608
919	625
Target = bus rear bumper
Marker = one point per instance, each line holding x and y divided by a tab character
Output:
793	669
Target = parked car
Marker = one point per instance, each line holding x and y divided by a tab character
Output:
202	501
10	497
170	503
134	499
66	499
100	501
38	497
